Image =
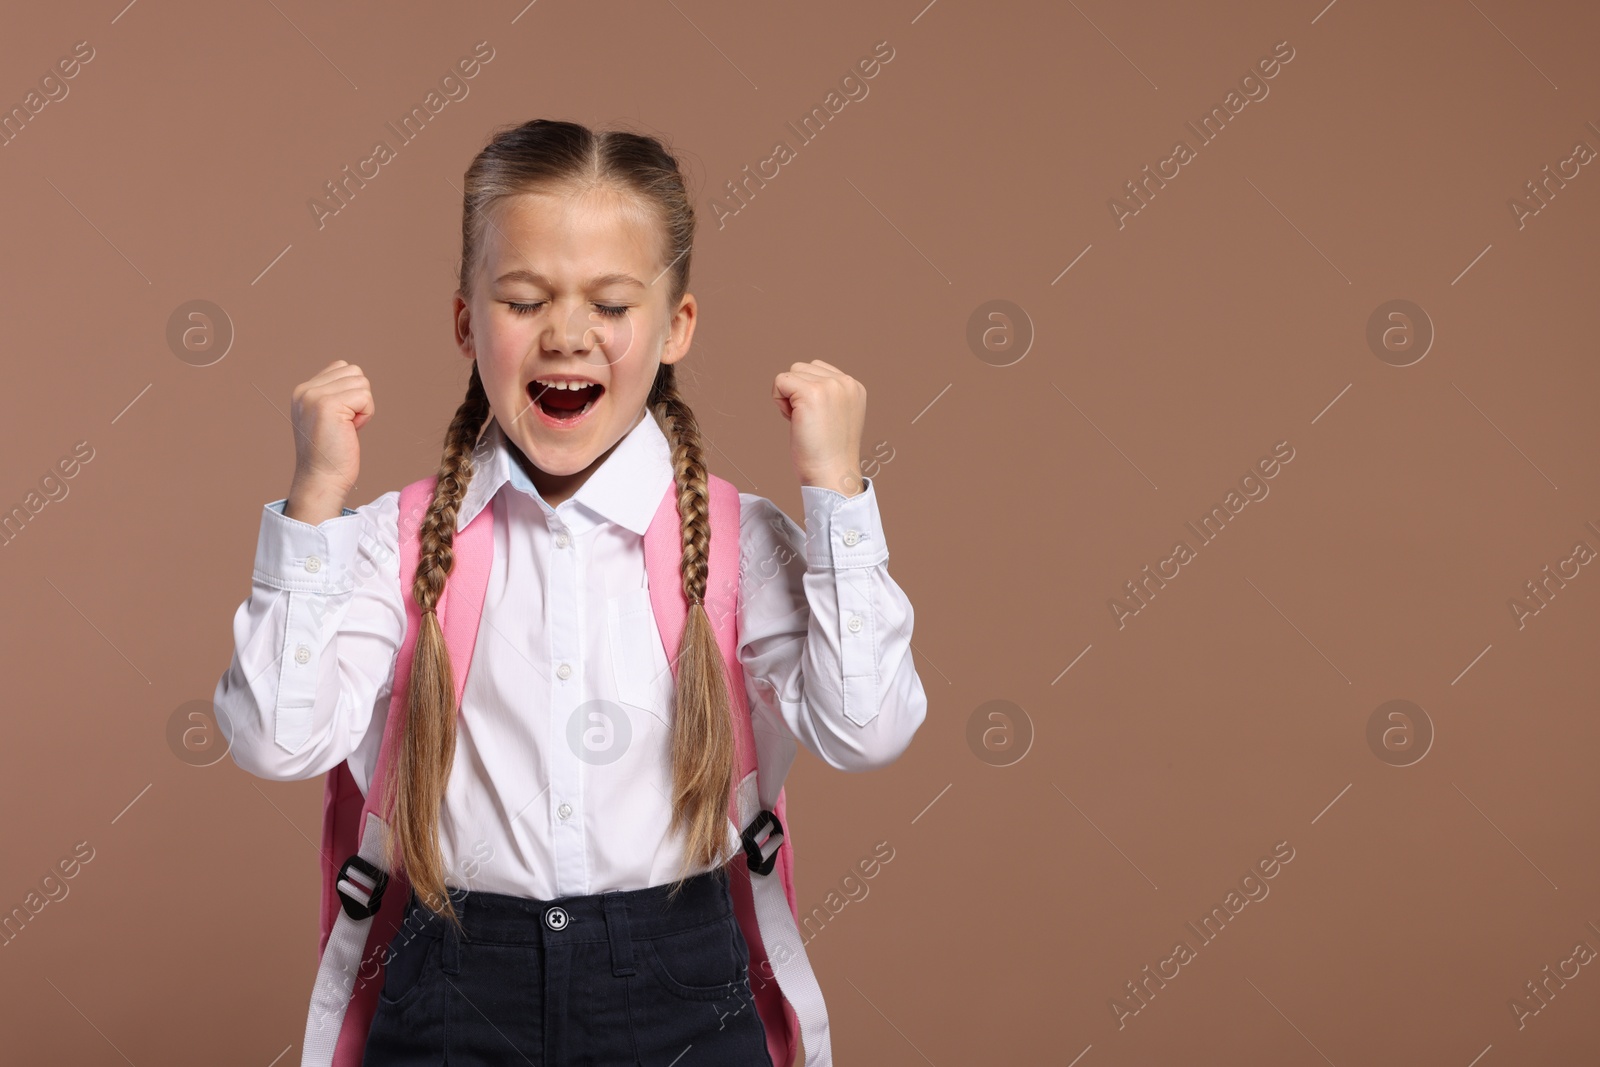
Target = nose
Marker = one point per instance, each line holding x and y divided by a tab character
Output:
581	332
571	330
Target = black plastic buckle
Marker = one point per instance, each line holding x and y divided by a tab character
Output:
380	878
761	863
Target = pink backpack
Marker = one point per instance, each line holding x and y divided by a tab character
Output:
363	905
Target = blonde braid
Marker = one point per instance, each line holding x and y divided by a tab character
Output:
702	730
417	779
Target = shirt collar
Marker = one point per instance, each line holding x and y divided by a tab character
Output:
626	489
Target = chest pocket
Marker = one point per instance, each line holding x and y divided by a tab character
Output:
638	659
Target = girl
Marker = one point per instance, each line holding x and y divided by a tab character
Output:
564	827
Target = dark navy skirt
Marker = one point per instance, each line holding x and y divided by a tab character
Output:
608	978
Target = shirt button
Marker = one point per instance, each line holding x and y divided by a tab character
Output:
855	624
302	655
564	671
564	810
563	539
851	537
313	564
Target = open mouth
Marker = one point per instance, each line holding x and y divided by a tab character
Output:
564	402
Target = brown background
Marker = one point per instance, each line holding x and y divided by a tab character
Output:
1229	715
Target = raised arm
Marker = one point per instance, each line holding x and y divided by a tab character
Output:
824	631
315	644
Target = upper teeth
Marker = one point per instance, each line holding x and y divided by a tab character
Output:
563	384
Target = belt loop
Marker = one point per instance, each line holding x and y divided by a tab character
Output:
451	951
617	930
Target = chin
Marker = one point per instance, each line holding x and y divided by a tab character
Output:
561	458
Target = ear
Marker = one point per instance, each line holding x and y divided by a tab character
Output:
461	312
680	330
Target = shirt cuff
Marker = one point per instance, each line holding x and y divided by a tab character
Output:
843	532
297	556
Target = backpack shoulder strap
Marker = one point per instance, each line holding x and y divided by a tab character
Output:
787	994
362	903
459	611
344	805
663	553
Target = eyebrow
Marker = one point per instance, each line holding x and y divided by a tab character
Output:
535	278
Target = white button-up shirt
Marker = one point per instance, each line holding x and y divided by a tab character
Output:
562	772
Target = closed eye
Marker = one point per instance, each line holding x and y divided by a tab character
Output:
528	309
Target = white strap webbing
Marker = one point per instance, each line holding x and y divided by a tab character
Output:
786	948
341	959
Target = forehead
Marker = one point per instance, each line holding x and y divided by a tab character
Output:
571	235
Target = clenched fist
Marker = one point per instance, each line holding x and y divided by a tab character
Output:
827	413
327	410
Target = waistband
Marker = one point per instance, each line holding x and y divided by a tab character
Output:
503	918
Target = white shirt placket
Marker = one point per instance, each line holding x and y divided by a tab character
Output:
565	628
